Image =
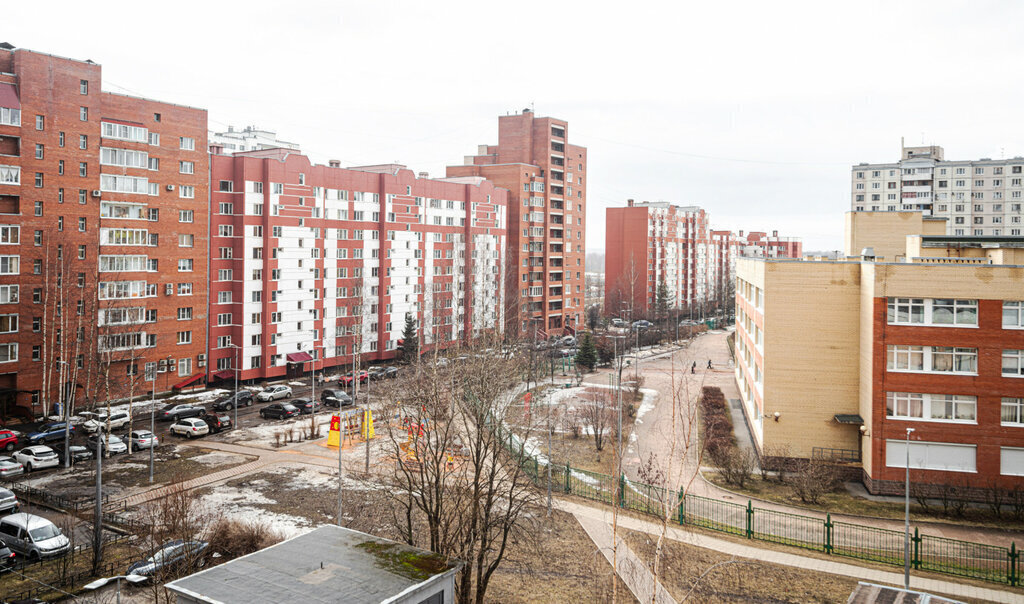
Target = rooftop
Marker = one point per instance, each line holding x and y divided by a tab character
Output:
328	564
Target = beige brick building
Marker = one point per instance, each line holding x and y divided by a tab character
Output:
835	359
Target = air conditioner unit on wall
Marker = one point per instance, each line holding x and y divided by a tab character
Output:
96	193
201	360
169	187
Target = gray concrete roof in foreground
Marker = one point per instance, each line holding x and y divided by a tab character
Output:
328	564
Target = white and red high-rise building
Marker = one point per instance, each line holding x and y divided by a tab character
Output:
315	262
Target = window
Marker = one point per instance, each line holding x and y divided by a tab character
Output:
224	297
83	141
226	186
10	117
81	224
934	407
1012	412
186	240
184	289
931	456
187	192
227	208
185	265
39	180
186	167
937	359
224	318
8	323
40	123
926	311
184	337
154	139
1013	314
186	215
124	184
186	143
8	294
1013	361
124	132
8	353
9	265
185	313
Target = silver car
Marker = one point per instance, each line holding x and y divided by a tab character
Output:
274	392
141	439
8	501
9	467
33	536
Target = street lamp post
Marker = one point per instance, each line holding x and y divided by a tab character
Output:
152	422
98	583
906	519
67	418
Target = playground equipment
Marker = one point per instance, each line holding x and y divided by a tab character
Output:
349	426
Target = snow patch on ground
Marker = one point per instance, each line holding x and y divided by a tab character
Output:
266	434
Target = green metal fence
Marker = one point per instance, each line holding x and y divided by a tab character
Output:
936	554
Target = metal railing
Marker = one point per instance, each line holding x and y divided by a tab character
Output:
937	554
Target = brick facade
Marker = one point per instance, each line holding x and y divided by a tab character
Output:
71	194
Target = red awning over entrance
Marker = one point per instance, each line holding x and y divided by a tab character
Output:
224	374
187	382
299	357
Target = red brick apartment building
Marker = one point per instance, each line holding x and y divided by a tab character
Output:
648	242
547	205
311	261
102	236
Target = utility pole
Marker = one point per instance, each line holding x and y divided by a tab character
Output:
152	422
549	453
366	424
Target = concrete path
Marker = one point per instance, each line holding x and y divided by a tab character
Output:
588	516
632	570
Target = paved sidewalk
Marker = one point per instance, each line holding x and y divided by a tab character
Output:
587	514
632	570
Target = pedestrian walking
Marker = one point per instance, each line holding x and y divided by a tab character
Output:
693	369
709	363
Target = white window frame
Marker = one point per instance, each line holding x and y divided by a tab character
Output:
926	307
1013	314
1012	358
929	355
927	455
928	404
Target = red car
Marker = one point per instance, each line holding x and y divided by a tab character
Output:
348	377
8	440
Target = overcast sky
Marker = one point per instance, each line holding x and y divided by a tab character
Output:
753	110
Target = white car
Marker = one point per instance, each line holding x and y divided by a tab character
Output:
37	457
108	442
118	420
190	427
9	467
275	392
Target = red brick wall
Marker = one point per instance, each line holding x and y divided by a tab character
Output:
988	385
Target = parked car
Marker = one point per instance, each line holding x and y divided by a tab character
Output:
376	373
242	398
279	411
274	392
306	406
569	342
642	324
8	502
6	555
350	377
176	412
8	440
334	397
78	452
141	439
107	442
37	457
177	555
10	467
217	423
49	432
391	372
617	322
190	427
33	536
117	421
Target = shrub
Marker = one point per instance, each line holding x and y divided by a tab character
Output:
232	538
717	421
815	479
736	464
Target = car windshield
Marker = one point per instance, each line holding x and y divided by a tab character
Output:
143	434
168	407
43	533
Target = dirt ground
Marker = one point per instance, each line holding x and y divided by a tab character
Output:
122	472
